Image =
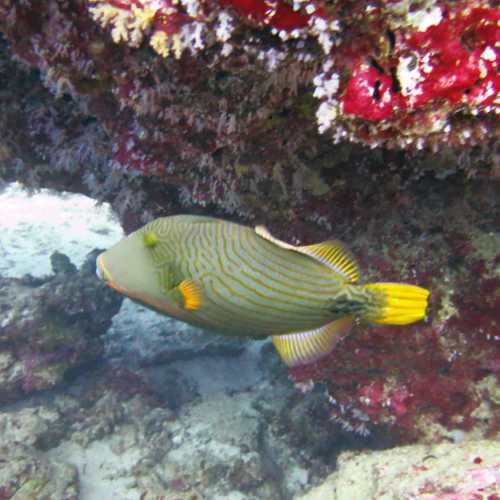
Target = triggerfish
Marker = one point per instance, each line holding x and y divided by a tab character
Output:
239	280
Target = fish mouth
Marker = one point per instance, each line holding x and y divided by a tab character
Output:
100	269
105	275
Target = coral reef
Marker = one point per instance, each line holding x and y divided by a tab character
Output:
444	472
229	103
51	327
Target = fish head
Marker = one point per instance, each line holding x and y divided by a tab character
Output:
128	268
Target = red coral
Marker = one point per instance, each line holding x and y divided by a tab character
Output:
369	95
457	60
458	68
278	15
372	398
399	401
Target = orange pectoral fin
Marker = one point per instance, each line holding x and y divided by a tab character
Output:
192	294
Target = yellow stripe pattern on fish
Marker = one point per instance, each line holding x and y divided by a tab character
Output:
239	280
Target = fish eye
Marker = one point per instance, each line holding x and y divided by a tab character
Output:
150	239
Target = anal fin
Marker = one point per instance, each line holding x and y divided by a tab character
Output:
302	348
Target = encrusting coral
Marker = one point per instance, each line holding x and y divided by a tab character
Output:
442	472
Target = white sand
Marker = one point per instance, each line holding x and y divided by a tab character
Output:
102	473
32	227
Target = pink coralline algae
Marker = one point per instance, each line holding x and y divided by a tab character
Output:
469	41
369	95
478	484
422	77
278	15
430	378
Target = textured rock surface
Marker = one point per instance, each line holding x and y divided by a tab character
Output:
26	474
171	431
440	472
51	326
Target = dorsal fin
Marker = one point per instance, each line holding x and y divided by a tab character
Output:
336	256
333	253
263	232
192	219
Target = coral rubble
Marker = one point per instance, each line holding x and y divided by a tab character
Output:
27	474
109	431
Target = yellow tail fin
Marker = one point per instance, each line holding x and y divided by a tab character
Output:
397	303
